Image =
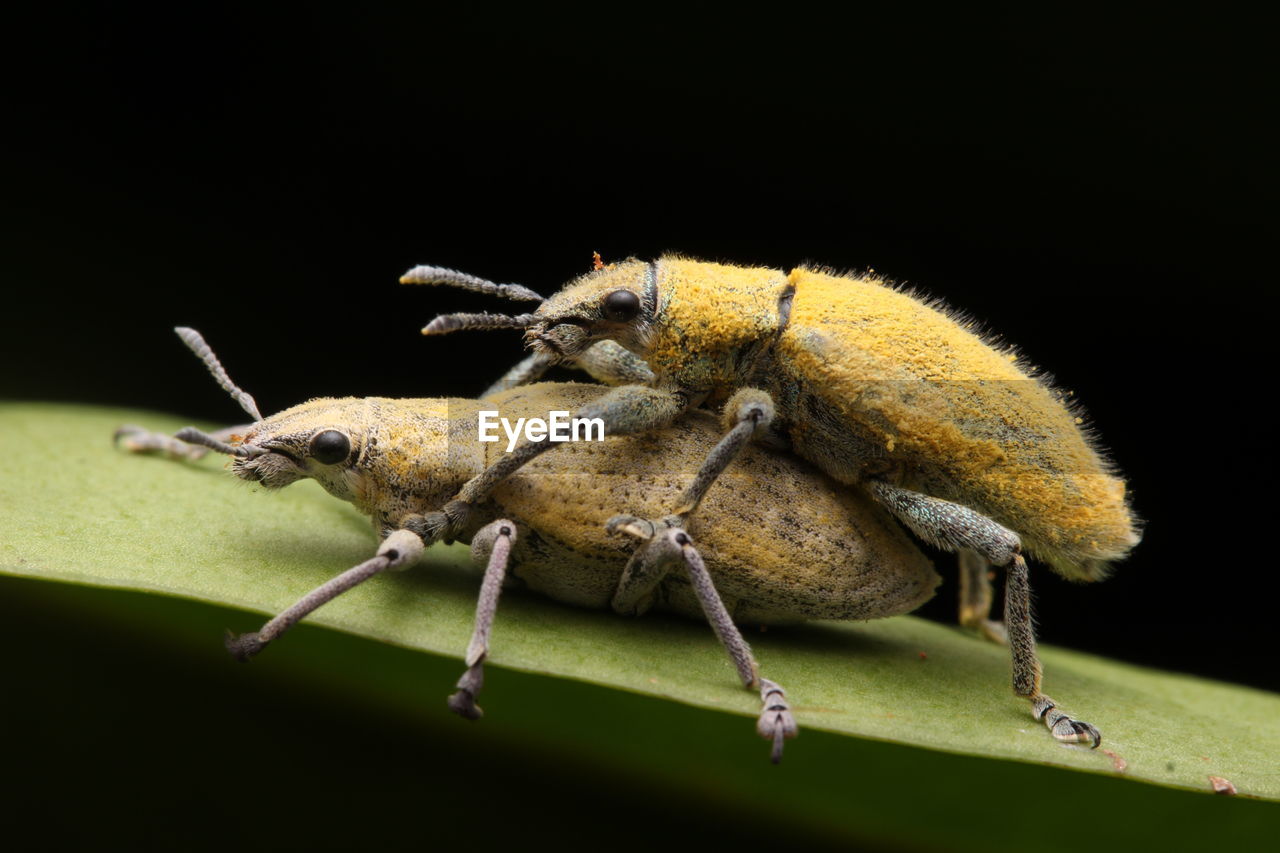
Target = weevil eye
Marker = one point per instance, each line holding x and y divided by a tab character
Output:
621	306
330	447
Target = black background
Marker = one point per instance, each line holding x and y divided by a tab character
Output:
1098	189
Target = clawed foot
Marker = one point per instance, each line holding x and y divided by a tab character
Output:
463	703
443	526
244	647
657	552
136	439
1062	727
399	550
644	529
775	723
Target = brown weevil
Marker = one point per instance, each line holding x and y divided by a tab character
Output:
879	388
778	542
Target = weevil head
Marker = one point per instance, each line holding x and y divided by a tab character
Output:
617	302
387	457
323	439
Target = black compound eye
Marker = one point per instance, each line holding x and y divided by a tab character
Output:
330	447
621	306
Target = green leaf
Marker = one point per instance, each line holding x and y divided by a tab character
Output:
193	531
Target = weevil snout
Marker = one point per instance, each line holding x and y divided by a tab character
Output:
564	339
273	467
288	447
300	443
252	457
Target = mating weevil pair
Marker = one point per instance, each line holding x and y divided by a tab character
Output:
778	543
880	389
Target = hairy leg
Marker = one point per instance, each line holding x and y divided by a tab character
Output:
977	596
670	546
955	527
605	361
398	551
748	413
492	546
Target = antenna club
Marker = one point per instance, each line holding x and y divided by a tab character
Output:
447	323
196	343
465	281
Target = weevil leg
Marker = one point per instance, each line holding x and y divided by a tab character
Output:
640	578
136	439
748	414
529	370
954	527
666	545
399	550
605	361
751	412
977	596
491	545
624	410
1026	664
612	364
775	723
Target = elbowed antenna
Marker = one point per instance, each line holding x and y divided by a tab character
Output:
446	323
196	343
465	281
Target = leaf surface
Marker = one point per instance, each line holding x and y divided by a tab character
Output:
78	510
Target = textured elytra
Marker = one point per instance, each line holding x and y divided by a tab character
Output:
969	423
782	541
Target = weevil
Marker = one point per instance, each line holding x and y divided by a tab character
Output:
954	434
778	542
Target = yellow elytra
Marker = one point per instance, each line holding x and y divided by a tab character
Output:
869	380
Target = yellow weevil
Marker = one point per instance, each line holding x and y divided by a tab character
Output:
779	543
953	434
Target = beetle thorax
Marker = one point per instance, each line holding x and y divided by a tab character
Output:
417	455
715	322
